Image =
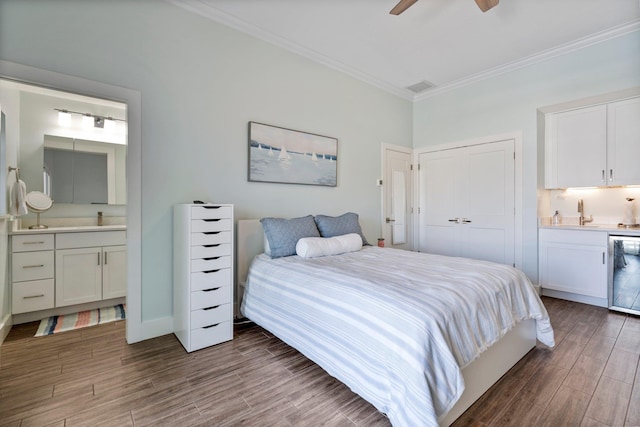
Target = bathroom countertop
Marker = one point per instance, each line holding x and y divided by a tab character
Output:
70	229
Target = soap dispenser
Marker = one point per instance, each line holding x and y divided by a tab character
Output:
556	218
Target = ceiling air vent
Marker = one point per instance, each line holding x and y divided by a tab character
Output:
420	86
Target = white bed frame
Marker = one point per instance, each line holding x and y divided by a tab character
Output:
479	376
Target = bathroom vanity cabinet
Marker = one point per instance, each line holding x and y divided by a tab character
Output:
65	267
90	267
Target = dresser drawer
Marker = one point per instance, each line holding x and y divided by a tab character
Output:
212	279
210	250
211	238
200	225
216	263
208	212
205	337
210	297
90	239
32	296
32	242
32	266
210	316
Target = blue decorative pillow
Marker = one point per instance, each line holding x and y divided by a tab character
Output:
331	226
283	234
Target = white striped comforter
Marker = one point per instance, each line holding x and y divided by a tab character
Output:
395	326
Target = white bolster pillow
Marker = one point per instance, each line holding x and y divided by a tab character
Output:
312	247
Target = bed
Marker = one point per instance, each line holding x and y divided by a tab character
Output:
419	336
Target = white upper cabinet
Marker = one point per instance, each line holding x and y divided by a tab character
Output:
594	146
623	142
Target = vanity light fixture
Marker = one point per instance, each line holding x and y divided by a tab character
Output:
64	118
88	120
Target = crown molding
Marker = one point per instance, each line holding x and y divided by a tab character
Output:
563	49
202	8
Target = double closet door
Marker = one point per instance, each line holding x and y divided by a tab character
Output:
467	202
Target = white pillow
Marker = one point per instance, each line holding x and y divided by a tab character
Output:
311	247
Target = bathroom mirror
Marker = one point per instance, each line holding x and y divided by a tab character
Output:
83	171
93	154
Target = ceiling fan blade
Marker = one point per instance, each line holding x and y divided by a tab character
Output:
402	6
485	5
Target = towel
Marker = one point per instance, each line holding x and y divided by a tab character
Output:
18	205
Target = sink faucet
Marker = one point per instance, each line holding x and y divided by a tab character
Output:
582	219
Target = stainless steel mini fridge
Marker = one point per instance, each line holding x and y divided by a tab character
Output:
624	274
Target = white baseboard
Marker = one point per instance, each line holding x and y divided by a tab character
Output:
600	302
156	328
5	327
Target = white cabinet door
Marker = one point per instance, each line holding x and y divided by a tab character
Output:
574	261
78	276
467	202
576	148
623	139
114	272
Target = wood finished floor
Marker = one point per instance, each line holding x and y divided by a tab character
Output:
91	377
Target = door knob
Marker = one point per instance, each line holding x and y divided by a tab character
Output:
390	220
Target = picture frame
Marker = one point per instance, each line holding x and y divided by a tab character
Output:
287	156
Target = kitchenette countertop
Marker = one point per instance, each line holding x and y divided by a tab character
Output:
70	229
609	228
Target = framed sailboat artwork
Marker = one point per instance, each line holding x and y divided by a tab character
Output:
290	156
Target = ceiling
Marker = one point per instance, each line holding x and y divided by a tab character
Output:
448	43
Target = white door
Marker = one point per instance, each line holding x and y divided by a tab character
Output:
467	202
623	143
396	197
114	272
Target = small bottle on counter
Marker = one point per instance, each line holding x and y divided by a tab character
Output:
556	218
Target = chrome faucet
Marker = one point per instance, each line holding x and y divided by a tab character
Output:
582	219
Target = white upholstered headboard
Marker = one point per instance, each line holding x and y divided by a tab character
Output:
249	243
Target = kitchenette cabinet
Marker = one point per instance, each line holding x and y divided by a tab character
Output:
573	264
594	146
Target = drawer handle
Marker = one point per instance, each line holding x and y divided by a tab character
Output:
211	232
33	296
210	271
33	266
212	207
210	290
210	326
33	243
211	246
211	220
211	258
211	308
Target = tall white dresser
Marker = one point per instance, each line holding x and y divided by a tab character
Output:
202	274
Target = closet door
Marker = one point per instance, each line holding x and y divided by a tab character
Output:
467	202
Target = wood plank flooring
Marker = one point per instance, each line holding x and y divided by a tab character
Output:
91	377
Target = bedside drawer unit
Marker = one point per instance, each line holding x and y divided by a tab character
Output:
208	251
210	279
210	316
32	266
211	238
203	257
209	264
211	212
211	335
32	242
32	296
210	225
210	297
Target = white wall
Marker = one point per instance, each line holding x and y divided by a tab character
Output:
201	83
509	102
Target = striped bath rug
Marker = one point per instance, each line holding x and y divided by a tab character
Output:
68	322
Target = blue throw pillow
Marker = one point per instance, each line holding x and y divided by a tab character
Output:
331	226
283	234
